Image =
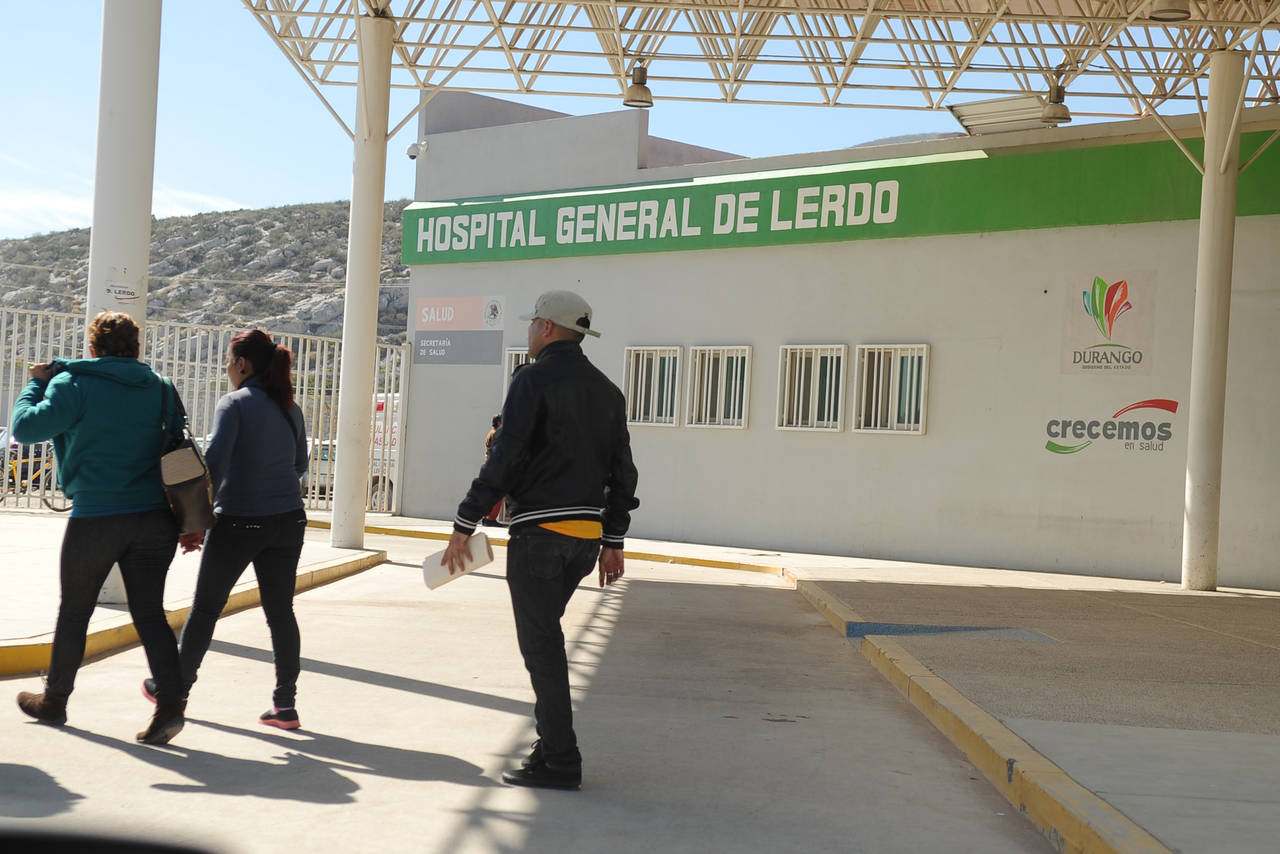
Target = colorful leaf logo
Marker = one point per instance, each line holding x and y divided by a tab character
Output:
1106	303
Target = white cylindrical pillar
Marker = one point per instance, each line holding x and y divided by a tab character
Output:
364	261
1205	408
120	242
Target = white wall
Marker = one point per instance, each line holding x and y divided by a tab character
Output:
979	488
526	155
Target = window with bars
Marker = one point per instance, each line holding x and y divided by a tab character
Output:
810	386
892	388
516	356
719	384
650	379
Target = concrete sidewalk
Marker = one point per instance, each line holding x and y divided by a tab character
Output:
716	711
1156	703
1116	715
30	543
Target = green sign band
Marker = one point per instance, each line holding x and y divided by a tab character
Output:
948	194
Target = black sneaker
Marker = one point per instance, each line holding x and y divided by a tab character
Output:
43	708
166	722
540	775
281	718
149	690
535	755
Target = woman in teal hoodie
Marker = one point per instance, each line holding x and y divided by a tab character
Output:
104	417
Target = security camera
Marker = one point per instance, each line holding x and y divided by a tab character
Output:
414	149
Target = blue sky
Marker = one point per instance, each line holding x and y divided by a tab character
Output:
238	128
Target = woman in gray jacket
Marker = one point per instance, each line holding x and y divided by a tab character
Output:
256	455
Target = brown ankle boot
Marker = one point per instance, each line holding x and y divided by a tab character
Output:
43	707
166	722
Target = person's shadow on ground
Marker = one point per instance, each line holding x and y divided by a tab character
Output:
309	770
381	679
296	778
364	758
28	792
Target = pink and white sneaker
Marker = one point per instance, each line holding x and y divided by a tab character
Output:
280	718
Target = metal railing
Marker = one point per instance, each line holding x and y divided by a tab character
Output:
194	357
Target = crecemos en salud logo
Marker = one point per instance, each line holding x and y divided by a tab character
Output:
1133	433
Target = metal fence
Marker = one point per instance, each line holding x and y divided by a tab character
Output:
194	357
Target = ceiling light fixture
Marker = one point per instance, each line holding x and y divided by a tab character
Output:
1055	112
1169	10
638	94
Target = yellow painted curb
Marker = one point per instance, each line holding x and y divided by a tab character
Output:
405	532
1070	816
395	532
838	614
29	656
649	556
707	562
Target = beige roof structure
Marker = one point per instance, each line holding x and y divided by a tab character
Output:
1115	58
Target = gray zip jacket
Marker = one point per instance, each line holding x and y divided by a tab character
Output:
256	454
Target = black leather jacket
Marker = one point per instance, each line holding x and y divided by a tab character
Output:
563	451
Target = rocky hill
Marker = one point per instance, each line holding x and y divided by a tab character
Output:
282	269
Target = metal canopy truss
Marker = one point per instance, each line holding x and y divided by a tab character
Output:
899	54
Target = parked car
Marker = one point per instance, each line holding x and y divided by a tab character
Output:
384	443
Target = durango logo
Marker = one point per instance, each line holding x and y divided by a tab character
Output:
1104	304
1136	435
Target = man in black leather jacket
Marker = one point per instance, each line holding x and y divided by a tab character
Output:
563	460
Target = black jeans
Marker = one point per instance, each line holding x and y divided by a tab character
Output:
143	544
273	545
543	570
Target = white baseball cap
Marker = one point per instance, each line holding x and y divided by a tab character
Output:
563	308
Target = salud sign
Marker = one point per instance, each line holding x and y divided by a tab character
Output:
458	331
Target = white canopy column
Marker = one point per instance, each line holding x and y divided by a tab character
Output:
1207	402
364	261
120	243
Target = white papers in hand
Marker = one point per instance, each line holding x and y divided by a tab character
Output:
479	553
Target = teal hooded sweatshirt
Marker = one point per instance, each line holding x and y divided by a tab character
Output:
103	416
